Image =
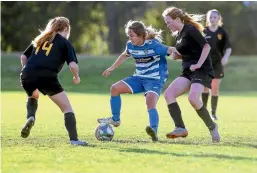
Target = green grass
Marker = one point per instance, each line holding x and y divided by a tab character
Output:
47	149
240	74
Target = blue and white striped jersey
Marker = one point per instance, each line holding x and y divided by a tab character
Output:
150	59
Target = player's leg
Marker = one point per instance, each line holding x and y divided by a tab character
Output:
178	87
215	87
56	93
153	90
32	103
128	85
205	96
196	89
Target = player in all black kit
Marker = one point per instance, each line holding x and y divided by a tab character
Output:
41	62
218	39
197	71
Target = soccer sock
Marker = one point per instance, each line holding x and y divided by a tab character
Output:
205	97
204	114
154	119
31	107
214	103
115	106
175	114
70	124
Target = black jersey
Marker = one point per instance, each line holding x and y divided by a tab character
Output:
219	42
189	44
48	59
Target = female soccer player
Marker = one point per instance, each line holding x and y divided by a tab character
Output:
41	62
197	71
218	39
145	46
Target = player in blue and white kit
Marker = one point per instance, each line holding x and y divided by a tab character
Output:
145	46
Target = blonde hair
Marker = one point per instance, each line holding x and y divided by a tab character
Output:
186	18
57	24
147	32
220	23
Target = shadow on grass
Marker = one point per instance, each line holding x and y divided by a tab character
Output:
177	154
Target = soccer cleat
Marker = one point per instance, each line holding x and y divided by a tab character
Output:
109	120
150	131
178	132
214	117
78	142
215	134
25	131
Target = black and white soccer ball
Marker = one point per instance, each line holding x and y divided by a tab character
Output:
104	132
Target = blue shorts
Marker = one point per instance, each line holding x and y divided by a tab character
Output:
140	84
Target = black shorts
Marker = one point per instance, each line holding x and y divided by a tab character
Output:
218	70
46	85
198	76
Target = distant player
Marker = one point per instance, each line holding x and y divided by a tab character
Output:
197	71
145	46
218	39
41	62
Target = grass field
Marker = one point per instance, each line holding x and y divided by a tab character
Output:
47	149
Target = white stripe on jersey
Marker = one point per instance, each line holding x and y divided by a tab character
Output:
141	52
155	75
149	63
146	70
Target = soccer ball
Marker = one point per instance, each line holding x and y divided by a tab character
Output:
104	132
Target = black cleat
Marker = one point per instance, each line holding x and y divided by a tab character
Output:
150	131
25	131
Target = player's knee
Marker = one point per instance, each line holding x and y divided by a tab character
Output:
151	100
169	95
206	90
35	94
114	90
215	91
193	100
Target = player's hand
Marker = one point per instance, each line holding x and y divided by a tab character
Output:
195	67
76	80
176	56
224	61
107	72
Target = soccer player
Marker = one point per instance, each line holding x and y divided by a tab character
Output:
218	39
197	71
41	62
145	46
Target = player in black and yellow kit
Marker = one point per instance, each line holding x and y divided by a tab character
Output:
197	72
41	62
218	39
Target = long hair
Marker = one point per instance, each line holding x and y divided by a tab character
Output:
57	24
147	32
186	18
220	23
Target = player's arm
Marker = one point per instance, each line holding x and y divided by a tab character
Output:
26	54
120	60
74	68
227	48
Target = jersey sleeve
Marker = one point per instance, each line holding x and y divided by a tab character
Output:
226	41
70	55
161	49
28	51
127	49
197	36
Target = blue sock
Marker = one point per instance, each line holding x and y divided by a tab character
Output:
115	106
154	119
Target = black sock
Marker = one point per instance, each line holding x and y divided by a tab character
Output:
204	114
214	103
70	124
205	97
175	114
31	107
